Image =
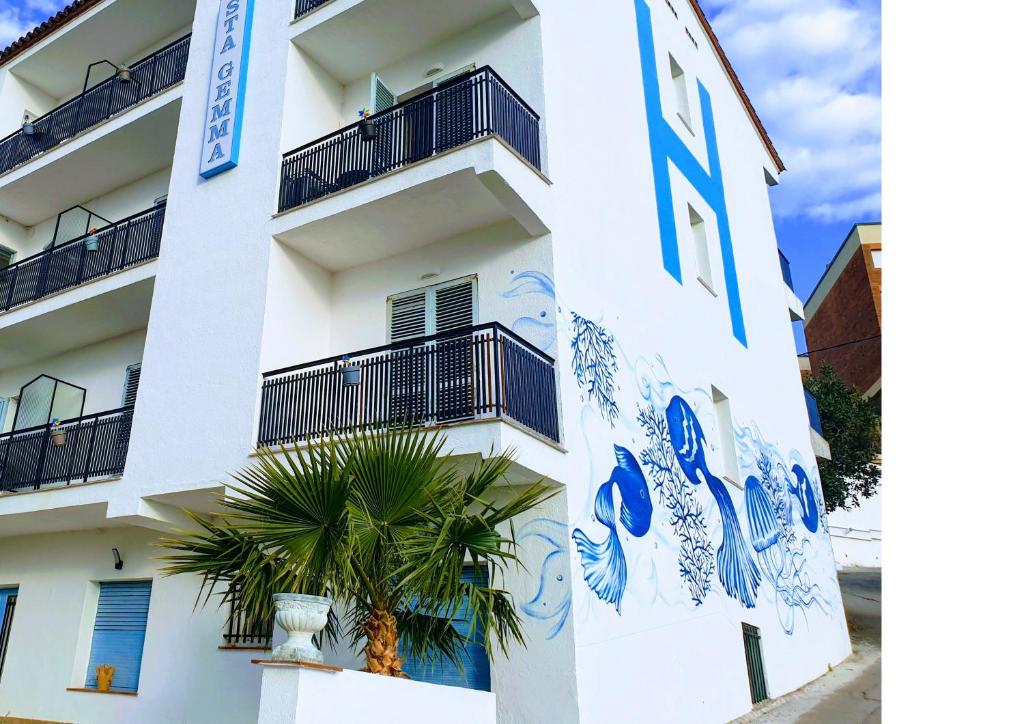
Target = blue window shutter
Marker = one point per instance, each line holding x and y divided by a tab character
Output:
120	632
8	599
476	665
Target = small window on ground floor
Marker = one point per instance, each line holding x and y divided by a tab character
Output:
755	663
242	632
119	633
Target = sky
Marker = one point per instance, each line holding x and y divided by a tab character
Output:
812	69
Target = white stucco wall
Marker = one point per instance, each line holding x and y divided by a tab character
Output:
231	302
857	534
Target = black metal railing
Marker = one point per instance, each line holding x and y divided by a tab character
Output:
307	6
76	450
481	372
813	416
471	106
787	272
241	632
148	77
112	248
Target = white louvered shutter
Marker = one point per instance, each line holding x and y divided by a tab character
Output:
407	317
453	307
131	385
381	97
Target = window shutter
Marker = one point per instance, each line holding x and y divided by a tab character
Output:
381	97
131	385
6	257
408	316
4	404
476	665
454	306
120	632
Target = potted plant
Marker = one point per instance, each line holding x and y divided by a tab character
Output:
351	372
92	241
367	128
322	520
104	677
27	126
56	433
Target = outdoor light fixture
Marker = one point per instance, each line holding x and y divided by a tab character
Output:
118	563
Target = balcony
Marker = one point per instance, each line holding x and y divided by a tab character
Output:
307	6
109	249
144	79
75	451
818	442
471	107
484	372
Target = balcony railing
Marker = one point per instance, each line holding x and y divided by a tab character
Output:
112	248
307	6
148	77
471	106
77	450
787	272
812	411
482	372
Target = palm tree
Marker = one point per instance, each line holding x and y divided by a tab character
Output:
383	524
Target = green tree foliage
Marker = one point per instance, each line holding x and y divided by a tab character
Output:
383	524
853	429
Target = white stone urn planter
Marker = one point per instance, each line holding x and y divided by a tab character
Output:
303	617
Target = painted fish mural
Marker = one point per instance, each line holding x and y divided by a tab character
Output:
804	492
604	563
553	600
736	568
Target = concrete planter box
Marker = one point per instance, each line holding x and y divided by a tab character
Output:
298	693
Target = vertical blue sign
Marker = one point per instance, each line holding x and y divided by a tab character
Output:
222	123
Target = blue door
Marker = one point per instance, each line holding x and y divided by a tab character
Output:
476	665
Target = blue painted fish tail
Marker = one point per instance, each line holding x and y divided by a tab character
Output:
604	566
737	570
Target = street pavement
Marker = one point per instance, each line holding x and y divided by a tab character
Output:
852	692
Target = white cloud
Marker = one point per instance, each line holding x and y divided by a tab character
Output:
812	69
16	20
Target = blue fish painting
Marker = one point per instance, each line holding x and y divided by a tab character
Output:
604	563
553	600
804	492
736	567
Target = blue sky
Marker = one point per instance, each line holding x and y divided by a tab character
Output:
813	71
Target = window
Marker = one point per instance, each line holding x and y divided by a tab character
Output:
723	413
120	632
700	239
381	97
6	257
432	310
8	599
755	663
876	258
682	96
476	672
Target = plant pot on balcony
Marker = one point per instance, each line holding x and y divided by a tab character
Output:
28	128
303	617
92	242
351	375
104	677
57	437
367	130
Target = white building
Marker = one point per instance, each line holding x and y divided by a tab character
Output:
584	185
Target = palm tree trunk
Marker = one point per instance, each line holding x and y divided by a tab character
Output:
381	650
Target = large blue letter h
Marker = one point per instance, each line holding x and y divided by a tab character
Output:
666	146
